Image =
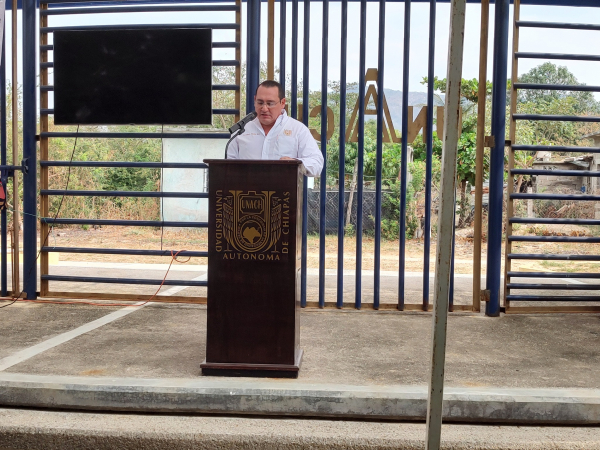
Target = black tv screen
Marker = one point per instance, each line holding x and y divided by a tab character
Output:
133	76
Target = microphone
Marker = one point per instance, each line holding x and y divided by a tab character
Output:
242	123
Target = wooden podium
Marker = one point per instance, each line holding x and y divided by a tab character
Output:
254	243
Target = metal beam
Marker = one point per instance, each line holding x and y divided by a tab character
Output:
445	224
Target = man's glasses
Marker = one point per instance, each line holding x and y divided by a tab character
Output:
260	104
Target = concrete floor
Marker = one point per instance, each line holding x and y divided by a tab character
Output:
341	347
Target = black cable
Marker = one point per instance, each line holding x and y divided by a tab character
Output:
15	299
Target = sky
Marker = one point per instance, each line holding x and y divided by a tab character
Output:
538	40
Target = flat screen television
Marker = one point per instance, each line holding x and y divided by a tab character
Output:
133	76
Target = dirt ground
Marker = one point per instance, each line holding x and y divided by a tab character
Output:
144	238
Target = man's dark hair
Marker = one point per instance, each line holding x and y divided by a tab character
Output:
271	84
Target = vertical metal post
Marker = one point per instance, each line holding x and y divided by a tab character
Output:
404	160
361	154
16	282
282	40
378	168
43	143
238	58
481	101
445	224
451	288
342	157
252	53
271	40
511	154
294	74
323	179
429	156
494	255
3	123
305	98
29	151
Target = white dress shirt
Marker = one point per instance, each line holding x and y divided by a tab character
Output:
288	137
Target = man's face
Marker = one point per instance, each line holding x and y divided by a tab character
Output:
268	105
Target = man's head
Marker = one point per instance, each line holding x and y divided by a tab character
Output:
269	101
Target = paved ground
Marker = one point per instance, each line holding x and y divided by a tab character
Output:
356	349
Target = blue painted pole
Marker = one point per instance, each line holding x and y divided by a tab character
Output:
3	222
361	155
379	162
253	53
294	74
342	157
323	179
494	255
29	151
429	156
404	161
305	92
282	40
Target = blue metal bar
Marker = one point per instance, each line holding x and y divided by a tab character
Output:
557	87
342	156
215	87
553	275
429	156
582	222
585	239
124	280
323	179
123	223
361	154
379	162
138	9
552	298
282	41
214	26
231	111
125	251
57	3
47	48
3	141
554	197
404	155
549	257
555	148
554	286
305	92
252	53
560	118
215	63
494	254
149	194
294	74
563	26
146	165
159	135
30	271
573	173
564	56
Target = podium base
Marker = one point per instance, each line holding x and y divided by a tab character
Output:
252	370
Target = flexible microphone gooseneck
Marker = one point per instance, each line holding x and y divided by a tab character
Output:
238	128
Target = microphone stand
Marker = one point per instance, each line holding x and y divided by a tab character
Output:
233	136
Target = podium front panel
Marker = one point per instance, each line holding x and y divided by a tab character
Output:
254	262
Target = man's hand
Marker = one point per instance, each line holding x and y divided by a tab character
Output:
287	157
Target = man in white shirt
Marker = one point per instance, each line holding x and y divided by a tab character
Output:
275	135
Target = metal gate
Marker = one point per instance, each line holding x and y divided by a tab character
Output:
548	286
